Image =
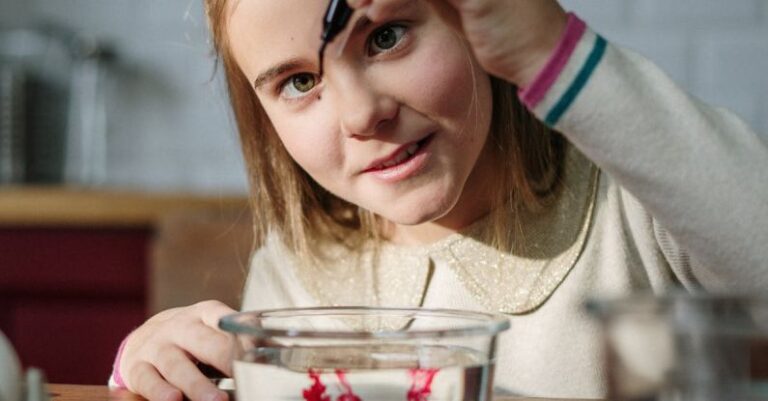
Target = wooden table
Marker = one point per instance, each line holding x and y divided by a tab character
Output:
72	392
75	392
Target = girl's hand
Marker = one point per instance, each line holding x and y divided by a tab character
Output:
511	39
159	358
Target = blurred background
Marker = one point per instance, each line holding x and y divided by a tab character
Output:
131	82
122	189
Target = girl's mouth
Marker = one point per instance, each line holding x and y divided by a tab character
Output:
403	155
406	162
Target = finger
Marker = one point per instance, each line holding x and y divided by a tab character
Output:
208	345
177	368
147	382
212	311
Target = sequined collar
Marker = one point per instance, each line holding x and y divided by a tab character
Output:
515	282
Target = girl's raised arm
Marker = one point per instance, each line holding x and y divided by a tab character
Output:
698	170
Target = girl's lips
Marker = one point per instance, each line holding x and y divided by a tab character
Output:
381	163
408	167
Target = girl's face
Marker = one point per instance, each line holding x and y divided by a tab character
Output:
398	121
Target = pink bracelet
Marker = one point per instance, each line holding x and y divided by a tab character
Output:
116	365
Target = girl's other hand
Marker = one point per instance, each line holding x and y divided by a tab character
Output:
159	358
511	39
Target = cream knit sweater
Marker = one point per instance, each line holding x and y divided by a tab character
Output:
681	199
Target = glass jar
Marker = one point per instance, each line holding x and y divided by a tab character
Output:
685	347
361	353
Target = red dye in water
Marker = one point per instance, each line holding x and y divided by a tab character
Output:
316	392
348	394
421	386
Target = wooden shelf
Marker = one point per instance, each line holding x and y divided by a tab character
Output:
65	206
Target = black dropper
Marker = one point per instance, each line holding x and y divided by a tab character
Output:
335	20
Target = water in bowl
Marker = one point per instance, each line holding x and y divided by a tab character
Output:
388	372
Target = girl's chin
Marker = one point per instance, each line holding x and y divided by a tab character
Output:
426	205
412	215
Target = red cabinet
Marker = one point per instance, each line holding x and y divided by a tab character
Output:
68	296
74	272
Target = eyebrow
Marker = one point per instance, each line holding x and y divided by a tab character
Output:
294	63
277	70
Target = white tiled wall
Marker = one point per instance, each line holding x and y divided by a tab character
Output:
170	123
695	12
717	50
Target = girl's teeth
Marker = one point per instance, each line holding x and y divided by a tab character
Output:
402	156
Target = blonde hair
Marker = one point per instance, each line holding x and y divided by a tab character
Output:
287	201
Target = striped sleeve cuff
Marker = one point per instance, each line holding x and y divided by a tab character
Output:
566	73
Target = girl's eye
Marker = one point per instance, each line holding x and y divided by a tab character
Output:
298	85
386	38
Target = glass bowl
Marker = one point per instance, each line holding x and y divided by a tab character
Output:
685	347
364	354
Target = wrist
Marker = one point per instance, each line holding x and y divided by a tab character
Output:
539	52
117	377
534	90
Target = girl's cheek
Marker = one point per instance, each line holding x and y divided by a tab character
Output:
443	89
309	140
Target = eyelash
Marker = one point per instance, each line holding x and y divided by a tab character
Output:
400	43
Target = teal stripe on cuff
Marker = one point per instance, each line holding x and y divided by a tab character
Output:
578	83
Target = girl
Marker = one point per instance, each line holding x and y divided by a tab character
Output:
476	154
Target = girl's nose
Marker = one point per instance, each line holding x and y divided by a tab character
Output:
363	109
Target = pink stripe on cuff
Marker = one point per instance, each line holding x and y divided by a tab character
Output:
116	366
574	30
